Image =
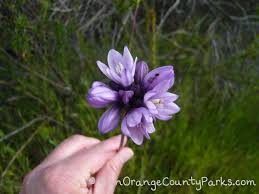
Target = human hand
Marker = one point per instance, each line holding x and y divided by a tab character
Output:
68	169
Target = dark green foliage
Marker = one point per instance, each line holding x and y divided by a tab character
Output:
47	63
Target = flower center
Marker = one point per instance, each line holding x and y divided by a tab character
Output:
158	102
119	68
131	96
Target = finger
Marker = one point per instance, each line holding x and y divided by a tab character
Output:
89	161
90	190
106	178
68	148
22	191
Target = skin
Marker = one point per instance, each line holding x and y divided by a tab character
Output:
72	164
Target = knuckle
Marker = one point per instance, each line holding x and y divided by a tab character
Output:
77	137
82	138
93	140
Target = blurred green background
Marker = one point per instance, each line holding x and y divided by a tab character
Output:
48	53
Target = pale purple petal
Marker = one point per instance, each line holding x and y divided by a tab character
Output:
162	87
149	95
146	114
150	128
136	135
124	127
109	120
163	117
114	76
126	77
173	107
168	96
100	95
141	71
128	59
152	108
144	132
134	118
158	75
103	68
97	83
114	59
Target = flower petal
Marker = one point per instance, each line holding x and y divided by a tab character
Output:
103	68
114	59
147	115
126	78
158	75
109	120
150	128
97	83
124	127
141	71
149	95
144	132
162	87
100	95
133	118
168	97
136	135
113	76
173	107
128	59
151	107
163	117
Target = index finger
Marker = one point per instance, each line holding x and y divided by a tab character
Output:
89	161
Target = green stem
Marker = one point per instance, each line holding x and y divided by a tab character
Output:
122	141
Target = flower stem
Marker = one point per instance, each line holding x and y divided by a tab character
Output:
122	141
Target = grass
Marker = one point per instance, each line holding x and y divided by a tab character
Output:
47	64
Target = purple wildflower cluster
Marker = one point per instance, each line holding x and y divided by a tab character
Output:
134	93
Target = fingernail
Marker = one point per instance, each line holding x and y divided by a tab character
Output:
126	154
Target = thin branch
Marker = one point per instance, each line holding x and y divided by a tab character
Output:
124	22
17	154
51	82
56	9
41	118
244	17
93	19
170	10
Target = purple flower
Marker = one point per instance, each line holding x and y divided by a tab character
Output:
121	68
142	96
160	103
137	124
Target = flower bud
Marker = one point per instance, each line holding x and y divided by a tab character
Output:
141	71
159	75
101	95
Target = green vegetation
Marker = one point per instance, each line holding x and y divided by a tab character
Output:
48	52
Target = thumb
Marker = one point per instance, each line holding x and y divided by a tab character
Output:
106	178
